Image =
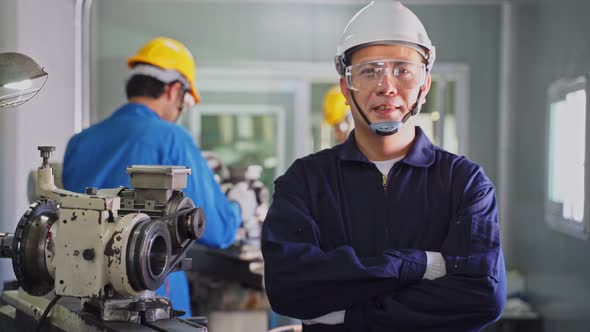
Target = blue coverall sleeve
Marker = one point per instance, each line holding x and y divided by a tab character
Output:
66	179
222	216
304	281
469	297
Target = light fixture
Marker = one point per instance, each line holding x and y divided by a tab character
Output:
20	78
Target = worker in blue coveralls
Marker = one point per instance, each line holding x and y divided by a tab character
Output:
385	232
161	85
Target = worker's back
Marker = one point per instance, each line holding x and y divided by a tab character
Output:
133	135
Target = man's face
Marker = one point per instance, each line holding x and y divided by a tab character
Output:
385	90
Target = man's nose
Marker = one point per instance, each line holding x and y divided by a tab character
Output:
387	84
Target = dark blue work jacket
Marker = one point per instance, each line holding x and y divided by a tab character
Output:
339	237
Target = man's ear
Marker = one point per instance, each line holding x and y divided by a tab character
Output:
168	90
173	90
344	89
426	88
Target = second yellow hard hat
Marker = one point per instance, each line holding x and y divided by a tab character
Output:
335	107
167	53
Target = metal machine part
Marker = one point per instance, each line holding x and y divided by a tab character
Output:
248	236
220	171
70	314
110	247
147	255
129	310
28	259
184	227
157	193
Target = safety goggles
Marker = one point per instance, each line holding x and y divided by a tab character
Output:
368	76
189	100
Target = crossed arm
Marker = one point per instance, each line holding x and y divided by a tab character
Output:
388	292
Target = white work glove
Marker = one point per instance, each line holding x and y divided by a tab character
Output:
245	197
435	266
333	318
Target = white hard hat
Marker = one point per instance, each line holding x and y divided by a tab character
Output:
384	22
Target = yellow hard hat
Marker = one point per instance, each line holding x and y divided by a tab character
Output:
167	53
335	107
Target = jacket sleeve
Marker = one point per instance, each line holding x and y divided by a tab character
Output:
305	281
66	176
222	216
469	297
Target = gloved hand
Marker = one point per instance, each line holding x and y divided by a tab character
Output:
245	197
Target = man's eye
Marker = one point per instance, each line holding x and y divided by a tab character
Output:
404	70
367	71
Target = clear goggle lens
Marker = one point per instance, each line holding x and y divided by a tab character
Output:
403	74
188	101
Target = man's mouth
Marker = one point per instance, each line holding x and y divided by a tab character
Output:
387	108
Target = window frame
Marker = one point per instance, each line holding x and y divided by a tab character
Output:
558	91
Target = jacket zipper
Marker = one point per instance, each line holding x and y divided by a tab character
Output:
384	184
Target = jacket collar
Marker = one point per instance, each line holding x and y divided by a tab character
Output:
421	153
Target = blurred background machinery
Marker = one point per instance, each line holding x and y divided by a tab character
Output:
227	284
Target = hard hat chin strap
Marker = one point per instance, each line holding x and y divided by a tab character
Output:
387	128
